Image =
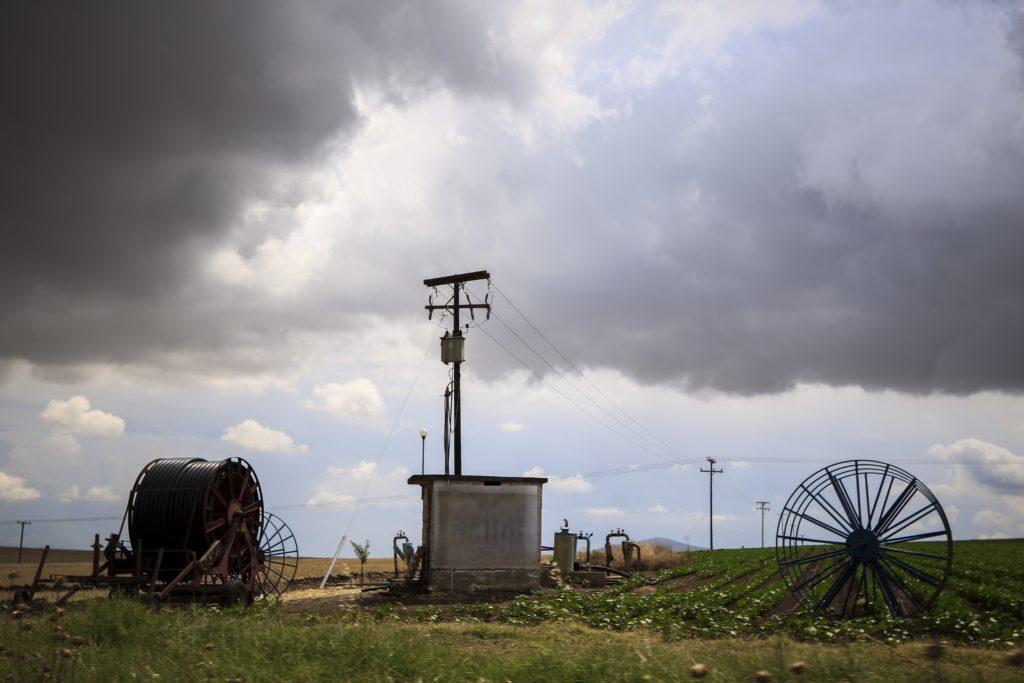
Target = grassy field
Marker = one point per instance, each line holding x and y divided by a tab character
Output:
123	640
728	610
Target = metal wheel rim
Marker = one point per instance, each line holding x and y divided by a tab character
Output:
849	538
278	556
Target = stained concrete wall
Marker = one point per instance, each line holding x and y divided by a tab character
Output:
481	533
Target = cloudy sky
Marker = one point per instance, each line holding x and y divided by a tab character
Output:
776	233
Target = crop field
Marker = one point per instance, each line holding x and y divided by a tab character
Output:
728	610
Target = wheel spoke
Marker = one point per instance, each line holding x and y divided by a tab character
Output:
809	540
918	604
914	537
815	578
844	500
896	507
829	509
916	553
907	521
827	527
837	586
812	558
912	570
878	494
850	586
856	481
882	579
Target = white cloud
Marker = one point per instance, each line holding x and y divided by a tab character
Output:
351	399
658	509
739	463
994	466
61	444
362	470
94	494
994	536
511	427
281	267
604	512
327	497
74	416
345	484
574	483
998	520
13	489
254	436
952	512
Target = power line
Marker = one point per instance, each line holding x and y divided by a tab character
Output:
663	451
578	371
567	398
629	469
575	386
383	450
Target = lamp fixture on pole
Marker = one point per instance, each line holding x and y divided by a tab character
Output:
423	451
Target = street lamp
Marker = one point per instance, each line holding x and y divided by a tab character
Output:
423	451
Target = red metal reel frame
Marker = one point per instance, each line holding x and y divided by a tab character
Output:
232	514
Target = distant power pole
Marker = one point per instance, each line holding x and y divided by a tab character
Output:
762	505
711	472
452	350
21	540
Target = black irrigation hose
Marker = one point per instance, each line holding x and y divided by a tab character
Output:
169	504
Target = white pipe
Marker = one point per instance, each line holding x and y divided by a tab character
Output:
341	544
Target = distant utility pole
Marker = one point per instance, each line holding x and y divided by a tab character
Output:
21	540
762	505
452	349
711	472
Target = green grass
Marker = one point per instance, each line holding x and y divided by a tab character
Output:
129	642
719	608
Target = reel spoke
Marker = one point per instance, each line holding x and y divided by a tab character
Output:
897	506
830	509
844	500
903	524
812	520
279	555
812	558
810	540
837	585
915	537
878	493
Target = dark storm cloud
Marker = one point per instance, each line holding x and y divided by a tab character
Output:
132	134
837	200
832	211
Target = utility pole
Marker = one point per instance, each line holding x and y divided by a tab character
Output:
762	506
21	540
711	472
453	348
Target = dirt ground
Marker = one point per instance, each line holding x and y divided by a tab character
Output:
61	561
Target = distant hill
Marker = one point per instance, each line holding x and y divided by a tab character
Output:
670	542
